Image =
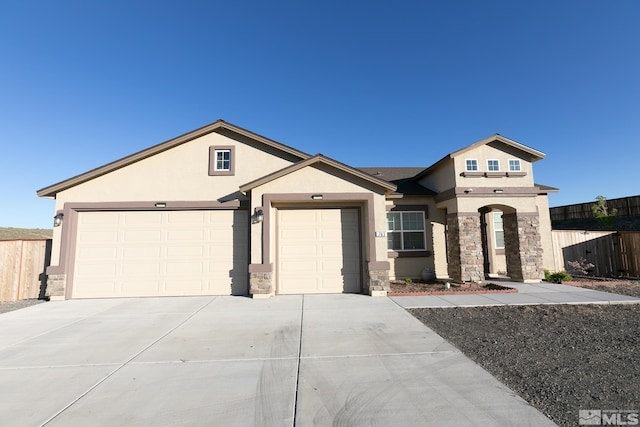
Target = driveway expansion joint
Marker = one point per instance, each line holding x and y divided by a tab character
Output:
122	365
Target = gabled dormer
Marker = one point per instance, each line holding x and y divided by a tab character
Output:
493	162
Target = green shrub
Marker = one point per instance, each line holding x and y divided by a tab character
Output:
559	277
408	280
547	276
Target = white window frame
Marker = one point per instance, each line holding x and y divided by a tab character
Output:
518	162
466	165
221	161
489	165
496	229
402	231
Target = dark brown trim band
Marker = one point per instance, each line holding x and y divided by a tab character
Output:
409	254
151	206
379	265
260	268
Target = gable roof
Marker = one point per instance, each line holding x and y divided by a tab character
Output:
217	126
402	177
533	154
319	159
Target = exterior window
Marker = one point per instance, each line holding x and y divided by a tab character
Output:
472	165
405	231
493	165
514	165
221	160
498	230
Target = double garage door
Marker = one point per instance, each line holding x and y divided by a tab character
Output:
161	253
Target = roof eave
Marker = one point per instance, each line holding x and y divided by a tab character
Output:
318	158
52	190
535	154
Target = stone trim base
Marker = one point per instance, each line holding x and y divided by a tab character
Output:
378	283
56	286
261	279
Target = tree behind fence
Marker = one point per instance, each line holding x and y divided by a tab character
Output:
613	253
22	268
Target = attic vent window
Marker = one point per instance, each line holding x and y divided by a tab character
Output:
221	160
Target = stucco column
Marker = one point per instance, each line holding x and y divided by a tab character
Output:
523	247
464	247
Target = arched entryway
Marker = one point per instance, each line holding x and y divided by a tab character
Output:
494	240
497	239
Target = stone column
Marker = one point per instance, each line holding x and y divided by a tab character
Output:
56	286
378	281
523	247
261	280
464	247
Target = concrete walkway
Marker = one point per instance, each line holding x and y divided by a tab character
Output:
315	360
541	293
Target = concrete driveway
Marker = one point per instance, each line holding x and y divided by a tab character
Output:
341	360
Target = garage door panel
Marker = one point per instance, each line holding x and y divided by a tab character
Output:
140	268
98	253
87	268
160	253
102	218
186	269
144	288
318	251
185	235
298	250
139	252
133	218
99	236
186	251
185	217
143	236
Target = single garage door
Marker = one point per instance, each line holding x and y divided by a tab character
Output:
318	251
160	253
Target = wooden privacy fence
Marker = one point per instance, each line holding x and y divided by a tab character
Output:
625	206
22	268
613	253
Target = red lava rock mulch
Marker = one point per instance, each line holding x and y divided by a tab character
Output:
402	288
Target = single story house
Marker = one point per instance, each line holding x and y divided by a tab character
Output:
224	211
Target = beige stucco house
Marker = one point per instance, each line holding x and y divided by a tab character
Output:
224	211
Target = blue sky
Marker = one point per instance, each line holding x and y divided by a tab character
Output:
369	83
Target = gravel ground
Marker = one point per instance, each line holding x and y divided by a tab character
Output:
631	288
559	358
16	305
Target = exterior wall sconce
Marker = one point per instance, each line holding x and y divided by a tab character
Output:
497	190
468	190
258	216
316	197
160	205
57	220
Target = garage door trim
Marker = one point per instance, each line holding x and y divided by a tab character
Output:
67	250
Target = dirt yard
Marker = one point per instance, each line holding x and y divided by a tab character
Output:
560	358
